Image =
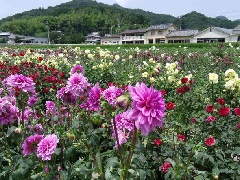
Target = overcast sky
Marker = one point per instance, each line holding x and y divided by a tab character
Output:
211	8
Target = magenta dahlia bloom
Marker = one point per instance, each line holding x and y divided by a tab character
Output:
21	82
124	125
77	84
47	146
29	145
28	114
77	69
66	96
38	129
32	101
111	94
93	102
8	110
50	108
148	107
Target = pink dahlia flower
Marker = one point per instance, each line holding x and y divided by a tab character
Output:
21	82
66	96
77	84
93	102
165	167
77	69
50	108
124	126
148	107
29	145
8	110
111	94
47	146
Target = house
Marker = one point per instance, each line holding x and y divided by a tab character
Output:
181	36
217	34
33	40
157	34
11	38
110	39
93	38
136	36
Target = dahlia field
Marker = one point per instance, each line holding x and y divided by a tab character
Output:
125	113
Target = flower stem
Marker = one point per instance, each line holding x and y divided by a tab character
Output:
128	162
118	144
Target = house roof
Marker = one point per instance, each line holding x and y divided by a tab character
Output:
227	31
160	26
5	33
183	33
238	27
134	31
224	30
110	36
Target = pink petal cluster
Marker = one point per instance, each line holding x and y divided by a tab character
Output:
124	126
148	107
66	96
111	94
165	167
8	110
93	102
28	114
77	84
50	108
77	69
47	146
29	145
21	82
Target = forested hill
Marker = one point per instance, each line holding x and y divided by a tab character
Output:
70	22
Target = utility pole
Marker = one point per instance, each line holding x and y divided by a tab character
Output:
118	26
48	33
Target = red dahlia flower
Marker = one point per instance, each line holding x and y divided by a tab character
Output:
209	108
224	111
170	106
181	137
163	92
221	101
184	80
157	142
180	90
165	167
210	141
237	111
211	119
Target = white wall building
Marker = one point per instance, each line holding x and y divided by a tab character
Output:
110	39
217	34
93	38
10	37
136	36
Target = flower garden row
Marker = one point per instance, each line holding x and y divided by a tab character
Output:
125	114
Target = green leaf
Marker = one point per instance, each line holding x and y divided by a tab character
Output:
142	174
215	171
10	130
199	177
112	162
57	151
35	176
99	162
75	124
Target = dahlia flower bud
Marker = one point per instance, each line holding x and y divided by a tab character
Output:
18	130
123	101
71	136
